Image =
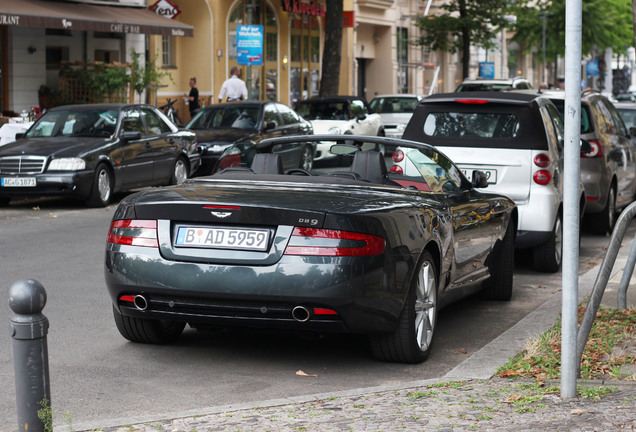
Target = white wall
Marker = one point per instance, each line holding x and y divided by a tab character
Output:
26	71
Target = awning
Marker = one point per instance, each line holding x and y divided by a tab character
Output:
90	17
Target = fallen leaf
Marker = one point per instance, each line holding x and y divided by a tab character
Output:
36	208
578	411
462	350
301	373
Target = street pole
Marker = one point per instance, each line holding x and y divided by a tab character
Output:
543	74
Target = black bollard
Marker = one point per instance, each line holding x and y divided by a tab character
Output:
29	327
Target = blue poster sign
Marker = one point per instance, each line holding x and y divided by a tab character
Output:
486	69
249	45
591	68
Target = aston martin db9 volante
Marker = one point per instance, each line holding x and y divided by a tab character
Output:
353	248
91	151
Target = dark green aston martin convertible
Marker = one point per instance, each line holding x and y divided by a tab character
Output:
372	244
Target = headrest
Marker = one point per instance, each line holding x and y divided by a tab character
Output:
371	166
267	163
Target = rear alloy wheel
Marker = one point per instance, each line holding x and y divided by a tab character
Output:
412	339
102	187
307	158
179	172
603	222
148	331
548	256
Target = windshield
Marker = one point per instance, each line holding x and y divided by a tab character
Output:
75	122
323	110
386	105
238	117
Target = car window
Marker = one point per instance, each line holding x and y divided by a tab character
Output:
132	122
288	115
155	125
322	110
559	127
247	118
586	115
394	105
617	120
83	122
270	114
604	118
427	170
550	128
471	124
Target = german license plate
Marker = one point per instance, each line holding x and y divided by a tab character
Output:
17	182
491	174
222	238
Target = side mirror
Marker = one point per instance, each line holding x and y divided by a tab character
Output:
361	117
479	179
586	147
130	135
270	125
632	131
19	135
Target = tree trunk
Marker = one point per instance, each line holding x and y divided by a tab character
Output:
465	40
332	53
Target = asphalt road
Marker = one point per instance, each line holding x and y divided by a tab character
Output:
96	374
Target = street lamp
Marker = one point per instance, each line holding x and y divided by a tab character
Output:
544	16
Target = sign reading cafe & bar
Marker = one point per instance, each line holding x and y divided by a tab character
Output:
298	7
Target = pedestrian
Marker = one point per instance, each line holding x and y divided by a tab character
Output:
193	97
233	87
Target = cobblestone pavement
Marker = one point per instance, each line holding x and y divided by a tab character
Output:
492	405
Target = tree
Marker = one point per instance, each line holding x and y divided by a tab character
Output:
144	76
464	23
332	52
606	24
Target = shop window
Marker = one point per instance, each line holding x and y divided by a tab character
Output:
106	56
167	51
55	56
305	58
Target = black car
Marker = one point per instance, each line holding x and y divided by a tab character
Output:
92	151
243	124
354	248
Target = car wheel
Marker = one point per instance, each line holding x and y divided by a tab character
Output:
148	331
548	256
179	172
102	187
307	159
500	285
603	222
412	339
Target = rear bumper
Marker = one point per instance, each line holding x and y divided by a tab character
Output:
361	291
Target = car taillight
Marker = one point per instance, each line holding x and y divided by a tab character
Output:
596	151
542	160
542	177
398	156
134	233
397	169
324	242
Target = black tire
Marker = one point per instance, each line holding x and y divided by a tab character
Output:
102	188
307	158
179	171
148	331
502	268
603	222
548	256
412	339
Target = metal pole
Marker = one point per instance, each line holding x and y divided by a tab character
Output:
30	354
627	277
569	369
543	17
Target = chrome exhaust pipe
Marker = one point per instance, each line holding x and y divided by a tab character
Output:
301	314
140	302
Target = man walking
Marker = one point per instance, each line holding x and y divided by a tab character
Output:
233	87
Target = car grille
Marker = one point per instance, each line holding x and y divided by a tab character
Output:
22	164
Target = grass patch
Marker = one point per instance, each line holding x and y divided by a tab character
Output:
541	357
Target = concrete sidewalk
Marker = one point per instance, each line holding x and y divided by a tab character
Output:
468	397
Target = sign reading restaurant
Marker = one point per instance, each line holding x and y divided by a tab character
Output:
298	7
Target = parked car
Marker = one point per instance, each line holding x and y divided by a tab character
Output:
627	110
492	84
608	171
245	123
395	111
353	249
516	140
339	115
93	151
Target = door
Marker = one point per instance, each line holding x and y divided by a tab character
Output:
136	166
163	146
